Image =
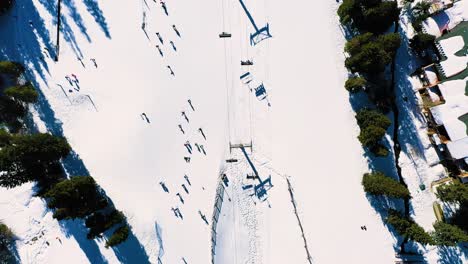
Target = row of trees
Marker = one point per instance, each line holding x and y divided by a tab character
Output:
81	197
368	54
37	158
445	234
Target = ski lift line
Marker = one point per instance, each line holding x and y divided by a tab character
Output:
223	9
226	83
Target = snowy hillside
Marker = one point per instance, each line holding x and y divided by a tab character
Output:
157	143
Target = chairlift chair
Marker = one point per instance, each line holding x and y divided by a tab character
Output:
260	92
246	63
225	35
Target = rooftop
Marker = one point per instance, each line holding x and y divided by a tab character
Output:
447	19
453	115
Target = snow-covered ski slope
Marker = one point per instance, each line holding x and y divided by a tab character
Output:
308	133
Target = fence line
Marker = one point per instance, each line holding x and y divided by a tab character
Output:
219	198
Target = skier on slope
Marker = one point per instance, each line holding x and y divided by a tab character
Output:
160	38
190	103
173	45
201	131
163	5
160	51
171	71
176	31
181	129
185	116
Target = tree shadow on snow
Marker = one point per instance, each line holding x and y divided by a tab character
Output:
26	38
77	229
381	205
131	251
452	255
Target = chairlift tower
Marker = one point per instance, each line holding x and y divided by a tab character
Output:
259	34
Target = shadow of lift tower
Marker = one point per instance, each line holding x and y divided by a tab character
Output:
259	189
259	34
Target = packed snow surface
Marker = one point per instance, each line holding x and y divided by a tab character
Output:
131	124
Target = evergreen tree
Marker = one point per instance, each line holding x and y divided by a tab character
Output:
355	84
379	18
377	183
449	235
10	67
421	41
99	222
460	216
30	157
408	228
370	54
370	136
368	117
23	93
11	112
5	138
421	9
368	15
119	236
456	192
77	197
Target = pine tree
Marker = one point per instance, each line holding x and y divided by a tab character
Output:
23	93
355	84
30	157
367	117
12	68
377	183
449	235
421	41
75	198
455	192
119	236
408	228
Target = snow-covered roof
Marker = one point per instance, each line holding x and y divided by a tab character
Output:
456	105
454	65
452	90
447	19
452	45
458	149
448	114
